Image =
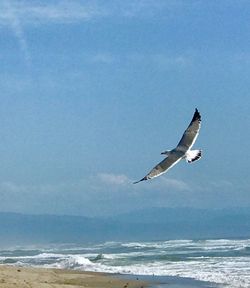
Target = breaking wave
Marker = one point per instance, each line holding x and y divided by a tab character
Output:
221	261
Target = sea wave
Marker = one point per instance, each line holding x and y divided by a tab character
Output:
222	261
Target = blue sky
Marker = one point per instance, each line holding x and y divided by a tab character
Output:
93	91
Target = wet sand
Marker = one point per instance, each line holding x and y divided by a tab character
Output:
171	281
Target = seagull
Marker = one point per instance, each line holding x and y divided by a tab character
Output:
181	151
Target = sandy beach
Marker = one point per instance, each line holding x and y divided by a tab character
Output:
19	277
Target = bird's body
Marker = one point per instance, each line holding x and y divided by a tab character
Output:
181	151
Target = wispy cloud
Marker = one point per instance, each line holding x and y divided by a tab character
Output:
175	184
140	8
166	185
14	188
16	15
169	62
50	12
63	11
105	193
159	183
113	179
163	61
159	61
221	184
11	19
102	58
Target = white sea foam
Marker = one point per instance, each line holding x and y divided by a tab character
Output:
158	245
221	261
223	272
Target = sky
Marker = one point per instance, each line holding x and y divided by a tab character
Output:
93	91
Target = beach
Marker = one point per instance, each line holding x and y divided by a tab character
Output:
171	263
19	277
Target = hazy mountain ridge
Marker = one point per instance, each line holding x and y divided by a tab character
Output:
148	224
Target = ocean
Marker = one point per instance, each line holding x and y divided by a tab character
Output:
223	261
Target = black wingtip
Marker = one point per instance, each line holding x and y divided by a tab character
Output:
197	115
143	179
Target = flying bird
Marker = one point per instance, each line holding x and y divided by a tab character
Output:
181	151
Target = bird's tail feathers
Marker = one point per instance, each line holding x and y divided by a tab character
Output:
193	155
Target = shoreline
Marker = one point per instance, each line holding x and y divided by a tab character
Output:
171	281
33	277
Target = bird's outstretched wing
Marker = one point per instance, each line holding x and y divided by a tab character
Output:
163	166
180	151
191	133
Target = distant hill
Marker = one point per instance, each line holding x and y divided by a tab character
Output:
147	224
179	223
